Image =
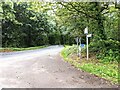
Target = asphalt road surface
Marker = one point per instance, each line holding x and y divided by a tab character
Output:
44	68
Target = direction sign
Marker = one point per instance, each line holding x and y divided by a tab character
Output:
86	30
89	35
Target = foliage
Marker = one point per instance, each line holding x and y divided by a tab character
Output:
105	70
19	49
102	21
69	50
27	24
106	50
23	26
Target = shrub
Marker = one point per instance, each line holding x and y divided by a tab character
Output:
106	50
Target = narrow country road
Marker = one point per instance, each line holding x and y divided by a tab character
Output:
44	68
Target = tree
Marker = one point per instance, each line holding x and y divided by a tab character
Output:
23	26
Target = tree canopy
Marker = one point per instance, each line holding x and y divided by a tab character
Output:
26	24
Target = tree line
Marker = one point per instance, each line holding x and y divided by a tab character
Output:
27	24
24	26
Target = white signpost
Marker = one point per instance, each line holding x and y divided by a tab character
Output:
87	36
78	40
80	47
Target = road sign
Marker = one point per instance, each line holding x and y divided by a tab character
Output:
89	35
86	30
82	45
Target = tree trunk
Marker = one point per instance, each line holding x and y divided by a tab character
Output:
100	32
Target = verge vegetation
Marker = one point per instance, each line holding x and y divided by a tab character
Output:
104	69
20	49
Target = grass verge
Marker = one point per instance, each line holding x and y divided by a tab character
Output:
20	49
106	70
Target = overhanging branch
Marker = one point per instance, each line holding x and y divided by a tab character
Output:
78	11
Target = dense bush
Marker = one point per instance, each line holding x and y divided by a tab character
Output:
106	50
